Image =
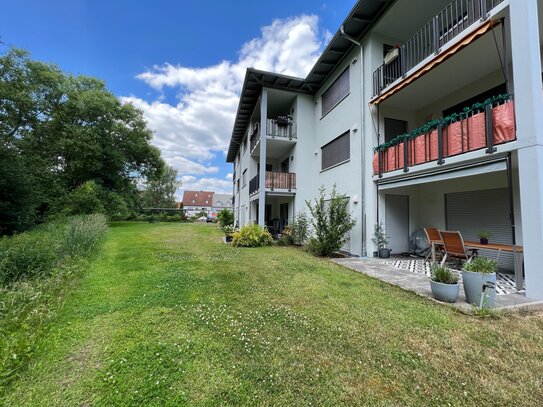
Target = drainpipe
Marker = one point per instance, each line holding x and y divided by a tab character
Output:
363	158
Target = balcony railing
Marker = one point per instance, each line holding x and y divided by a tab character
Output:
283	126
475	129
274	181
449	23
255	136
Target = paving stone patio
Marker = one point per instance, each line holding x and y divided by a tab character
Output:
413	277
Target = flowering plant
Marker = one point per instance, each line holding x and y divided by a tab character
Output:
229	230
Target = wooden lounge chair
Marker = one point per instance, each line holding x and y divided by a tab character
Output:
453	244
434	240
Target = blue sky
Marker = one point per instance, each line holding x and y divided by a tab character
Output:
181	62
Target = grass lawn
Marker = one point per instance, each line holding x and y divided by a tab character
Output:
169	315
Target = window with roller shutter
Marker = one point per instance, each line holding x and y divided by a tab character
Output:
336	92
336	152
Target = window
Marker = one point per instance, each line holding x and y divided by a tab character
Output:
237	185
337	151
244	177
245	144
336	92
393	128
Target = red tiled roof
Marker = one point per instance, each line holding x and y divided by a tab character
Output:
197	198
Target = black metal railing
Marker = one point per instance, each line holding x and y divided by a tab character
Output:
254	184
485	128
274	180
449	23
283	126
255	136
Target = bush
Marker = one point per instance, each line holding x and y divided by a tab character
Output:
225	217
252	236
38	252
299	229
331	222
442	275
481	265
38	267
28	254
85	199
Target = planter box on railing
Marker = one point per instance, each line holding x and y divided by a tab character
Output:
281	127
465	135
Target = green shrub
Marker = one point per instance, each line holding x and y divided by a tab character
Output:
442	275
299	229
38	252
252	236
27	255
83	236
36	270
331	222
481	265
225	217
85	199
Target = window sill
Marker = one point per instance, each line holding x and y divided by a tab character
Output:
335	165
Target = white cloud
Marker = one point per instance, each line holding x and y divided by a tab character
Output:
192	183
198	127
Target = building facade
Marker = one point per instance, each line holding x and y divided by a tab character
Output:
422	112
195	202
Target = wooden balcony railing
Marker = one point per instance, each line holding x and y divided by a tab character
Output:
476	129
274	181
443	28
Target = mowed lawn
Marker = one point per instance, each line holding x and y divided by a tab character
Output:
169	315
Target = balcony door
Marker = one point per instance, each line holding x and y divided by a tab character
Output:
285	165
269	167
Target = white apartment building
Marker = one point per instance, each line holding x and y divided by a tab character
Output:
461	78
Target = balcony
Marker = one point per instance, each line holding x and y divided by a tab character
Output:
282	128
275	181
454	19
483	126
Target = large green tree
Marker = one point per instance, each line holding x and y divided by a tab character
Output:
159	192
69	130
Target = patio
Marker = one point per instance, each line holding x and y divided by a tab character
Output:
413	275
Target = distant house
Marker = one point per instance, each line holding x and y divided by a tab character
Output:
221	201
197	201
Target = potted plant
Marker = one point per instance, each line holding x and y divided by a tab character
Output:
483	236
229	231
380	239
444	284
479	276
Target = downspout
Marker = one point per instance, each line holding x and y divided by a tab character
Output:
362	138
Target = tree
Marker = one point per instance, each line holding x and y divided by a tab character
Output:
68	130
17	203
225	217
331	222
159	192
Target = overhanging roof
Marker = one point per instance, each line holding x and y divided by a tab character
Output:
362	16
252	86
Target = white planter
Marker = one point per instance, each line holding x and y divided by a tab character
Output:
473	287
445	292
